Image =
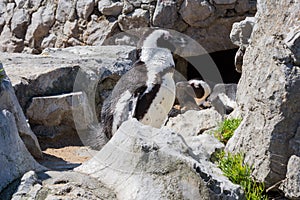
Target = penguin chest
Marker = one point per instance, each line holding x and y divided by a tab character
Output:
162	103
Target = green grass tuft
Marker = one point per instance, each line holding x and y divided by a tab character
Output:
226	129
238	172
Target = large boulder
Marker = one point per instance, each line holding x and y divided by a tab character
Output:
140	161
9	101
93	73
56	120
15	160
268	93
55	71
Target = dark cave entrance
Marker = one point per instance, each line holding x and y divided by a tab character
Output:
217	67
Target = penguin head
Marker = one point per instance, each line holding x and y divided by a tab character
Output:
159	38
201	88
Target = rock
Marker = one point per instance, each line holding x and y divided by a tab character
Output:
49	41
42	20
15	158
63	11
293	42
106	7
84	8
141	161
61	185
59	118
205	145
137	19
243	6
193	123
210	38
99	31
9	101
241	31
56	70
196	12
135	3
26	32
28	188
268	95
223	98
291	184
9	43
20	21
224	2
165	14
127	7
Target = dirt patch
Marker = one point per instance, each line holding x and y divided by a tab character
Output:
66	158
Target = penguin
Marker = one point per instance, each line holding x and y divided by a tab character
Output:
191	95
147	91
202	91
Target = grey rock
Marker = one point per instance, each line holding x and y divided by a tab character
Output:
208	22
42	20
268	95
85	8
28	188
10	43
292	40
205	145
9	101
71	29
106	7
241	31
243	6
196	12
215	36
49	41
193	123
9	7
72	185
99	31
63	11
60	118
223	98
127	7
58	110
141	161
224	2
15	158
61	185
59	71
20	21
137	19
165	14
135	3
291	184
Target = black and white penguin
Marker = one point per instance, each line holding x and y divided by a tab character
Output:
147	91
192	94
202	90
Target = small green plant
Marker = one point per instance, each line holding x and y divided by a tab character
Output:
238	172
226	129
